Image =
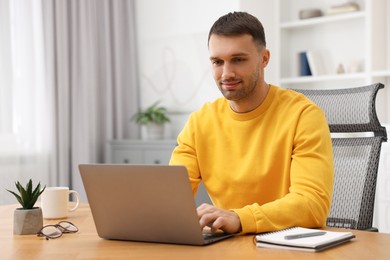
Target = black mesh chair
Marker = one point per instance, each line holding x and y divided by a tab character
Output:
356	156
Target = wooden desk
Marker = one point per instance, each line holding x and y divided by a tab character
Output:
87	245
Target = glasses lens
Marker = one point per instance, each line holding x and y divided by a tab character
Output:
51	231
67	227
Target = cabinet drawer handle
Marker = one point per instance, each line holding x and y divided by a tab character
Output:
126	161
157	162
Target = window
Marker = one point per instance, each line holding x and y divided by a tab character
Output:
25	148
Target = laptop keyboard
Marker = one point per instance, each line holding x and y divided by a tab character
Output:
208	235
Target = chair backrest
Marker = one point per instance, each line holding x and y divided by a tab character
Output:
356	156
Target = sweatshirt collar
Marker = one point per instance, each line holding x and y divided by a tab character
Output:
257	111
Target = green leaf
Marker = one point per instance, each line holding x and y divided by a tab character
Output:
152	114
24	196
36	193
17	197
29	187
18	186
28	196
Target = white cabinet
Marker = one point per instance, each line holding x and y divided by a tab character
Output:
147	152
140	152
359	41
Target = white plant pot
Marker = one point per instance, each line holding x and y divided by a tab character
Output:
154	131
27	221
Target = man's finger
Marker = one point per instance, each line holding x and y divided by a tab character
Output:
207	220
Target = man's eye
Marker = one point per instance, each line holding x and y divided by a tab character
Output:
216	62
239	60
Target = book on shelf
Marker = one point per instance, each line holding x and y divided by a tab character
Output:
303	239
304	68
316	63
343	8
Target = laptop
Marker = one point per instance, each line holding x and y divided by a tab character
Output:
149	203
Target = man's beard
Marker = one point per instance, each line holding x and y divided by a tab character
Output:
244	91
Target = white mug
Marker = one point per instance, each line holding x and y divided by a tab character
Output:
55	202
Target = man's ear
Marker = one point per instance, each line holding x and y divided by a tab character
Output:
265	56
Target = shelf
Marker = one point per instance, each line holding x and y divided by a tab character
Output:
381	73
322	20
312	79
360	38
347	76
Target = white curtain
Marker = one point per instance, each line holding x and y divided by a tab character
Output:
86	83
91	58
25	124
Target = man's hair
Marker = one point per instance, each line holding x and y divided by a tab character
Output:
239	23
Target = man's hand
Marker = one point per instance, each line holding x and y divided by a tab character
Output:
217	218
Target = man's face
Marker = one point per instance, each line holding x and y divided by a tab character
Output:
237	65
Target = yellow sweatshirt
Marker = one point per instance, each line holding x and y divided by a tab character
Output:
273	166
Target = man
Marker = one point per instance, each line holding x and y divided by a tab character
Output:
263	153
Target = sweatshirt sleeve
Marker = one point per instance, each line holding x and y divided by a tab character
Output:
185	154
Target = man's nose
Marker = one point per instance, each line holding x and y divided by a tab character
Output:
228	71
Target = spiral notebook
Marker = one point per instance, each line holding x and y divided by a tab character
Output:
304	239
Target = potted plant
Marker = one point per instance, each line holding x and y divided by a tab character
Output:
154	117
27	219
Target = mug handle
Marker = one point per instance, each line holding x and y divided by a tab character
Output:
77	200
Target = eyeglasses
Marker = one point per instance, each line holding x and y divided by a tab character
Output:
56	230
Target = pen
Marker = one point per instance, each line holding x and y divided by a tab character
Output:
312	234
